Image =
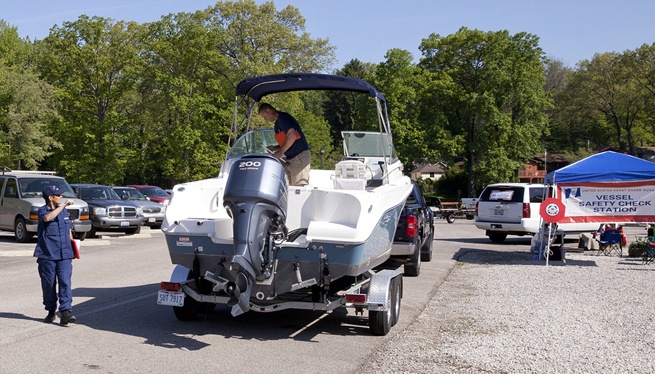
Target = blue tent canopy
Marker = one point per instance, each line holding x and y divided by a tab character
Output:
604	167
258	87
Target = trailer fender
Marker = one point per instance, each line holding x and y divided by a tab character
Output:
180	274
378	290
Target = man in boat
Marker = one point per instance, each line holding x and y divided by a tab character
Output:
292	144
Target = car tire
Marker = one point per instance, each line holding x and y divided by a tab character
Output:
20	231
426	250
413	267
450	218
497	237
79	235
133	231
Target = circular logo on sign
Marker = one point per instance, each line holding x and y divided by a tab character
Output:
552	210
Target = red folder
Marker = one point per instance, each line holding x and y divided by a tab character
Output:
76	248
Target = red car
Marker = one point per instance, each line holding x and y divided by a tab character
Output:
154	193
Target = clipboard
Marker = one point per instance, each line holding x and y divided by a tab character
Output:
76	247
281	137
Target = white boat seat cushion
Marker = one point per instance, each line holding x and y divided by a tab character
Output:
350	175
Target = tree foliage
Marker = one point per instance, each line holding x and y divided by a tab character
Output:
118	102
491	95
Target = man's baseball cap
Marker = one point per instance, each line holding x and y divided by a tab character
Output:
51	191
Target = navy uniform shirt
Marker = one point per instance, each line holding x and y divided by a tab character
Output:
54	241
285	122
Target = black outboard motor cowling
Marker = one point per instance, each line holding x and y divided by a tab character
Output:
256	199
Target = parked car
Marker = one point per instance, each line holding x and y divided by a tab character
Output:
154	193
107	211
509	209
153	213
412	241
21	197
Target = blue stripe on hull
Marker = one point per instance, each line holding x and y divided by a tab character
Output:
342	259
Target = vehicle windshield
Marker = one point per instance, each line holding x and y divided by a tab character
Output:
254	141
153	191
33	187
98	193
367	144
130	194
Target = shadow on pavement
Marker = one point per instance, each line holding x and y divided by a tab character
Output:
133	311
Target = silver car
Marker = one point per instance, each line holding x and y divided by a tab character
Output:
153	212
20	200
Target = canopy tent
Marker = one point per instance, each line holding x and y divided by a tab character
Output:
604	167
605	187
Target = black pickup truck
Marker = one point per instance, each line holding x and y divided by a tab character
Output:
412	242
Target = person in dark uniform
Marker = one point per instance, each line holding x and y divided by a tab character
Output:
292	144
54	254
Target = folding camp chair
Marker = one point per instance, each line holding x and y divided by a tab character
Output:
649	253
610	241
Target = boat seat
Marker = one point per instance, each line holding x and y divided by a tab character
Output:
350	175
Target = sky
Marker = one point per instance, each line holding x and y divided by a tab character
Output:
568	30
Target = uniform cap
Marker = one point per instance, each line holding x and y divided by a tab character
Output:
52	190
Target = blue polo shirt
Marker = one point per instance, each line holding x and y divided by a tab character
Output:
54	241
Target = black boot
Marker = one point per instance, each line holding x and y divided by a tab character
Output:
66	318
50	317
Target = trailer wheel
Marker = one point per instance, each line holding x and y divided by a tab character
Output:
187	312
396	296
380	322
450	218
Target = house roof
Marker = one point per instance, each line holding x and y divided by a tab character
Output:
428	168
552	158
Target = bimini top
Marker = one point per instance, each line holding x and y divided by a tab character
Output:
258	87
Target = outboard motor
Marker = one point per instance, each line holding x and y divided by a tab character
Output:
256	199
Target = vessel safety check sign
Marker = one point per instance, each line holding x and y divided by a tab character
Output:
594	202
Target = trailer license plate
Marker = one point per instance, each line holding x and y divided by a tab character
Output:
499	212
170	298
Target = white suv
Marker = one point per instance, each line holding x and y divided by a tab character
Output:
509	209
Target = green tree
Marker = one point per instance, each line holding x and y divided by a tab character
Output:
261	40
490	89
613	99
90	62
347	111
184	108
193	62
641	66
28	107
14	51
403	84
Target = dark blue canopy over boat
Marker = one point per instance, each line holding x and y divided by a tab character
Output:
258	87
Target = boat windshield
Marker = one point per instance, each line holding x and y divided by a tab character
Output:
254	141
367	144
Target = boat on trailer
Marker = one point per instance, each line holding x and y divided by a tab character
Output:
249	240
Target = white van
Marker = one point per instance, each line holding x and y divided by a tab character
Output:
509	209
20	199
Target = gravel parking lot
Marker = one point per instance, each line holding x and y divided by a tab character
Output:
500	311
